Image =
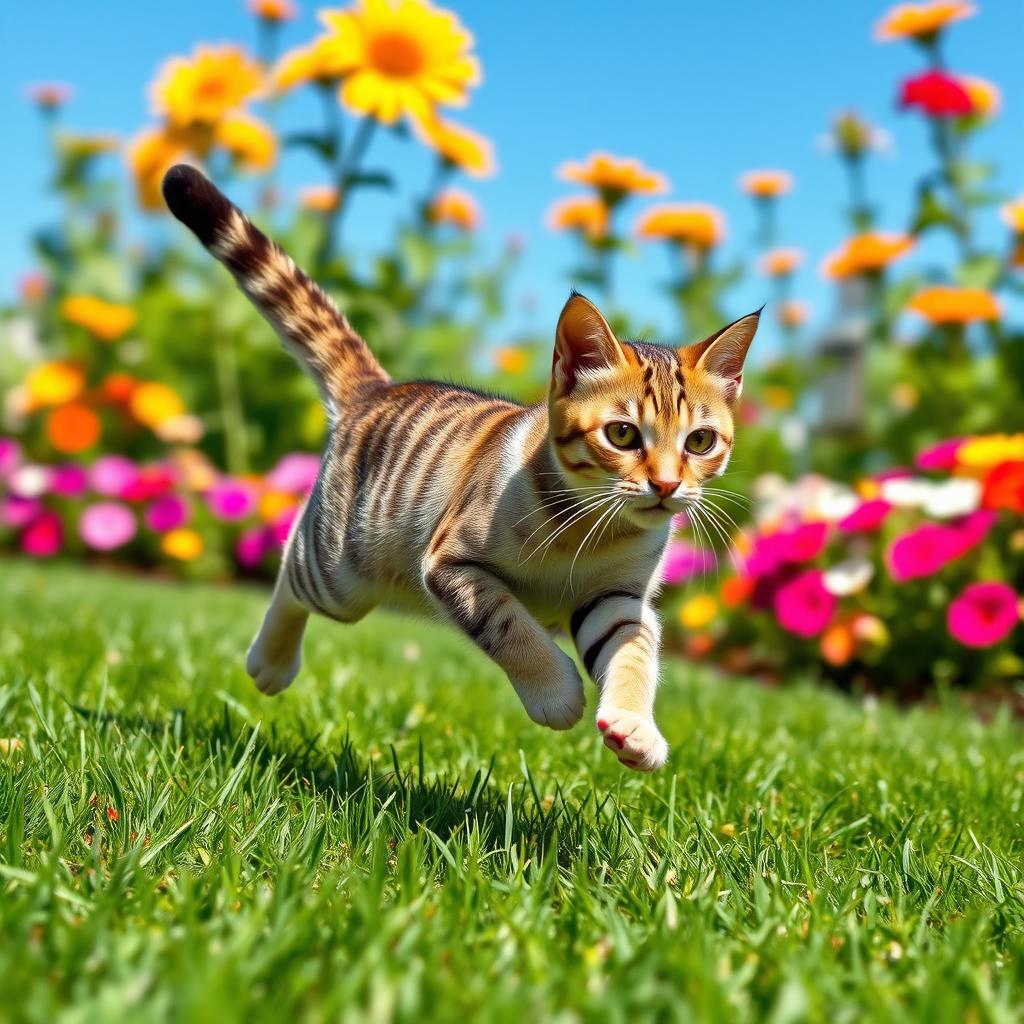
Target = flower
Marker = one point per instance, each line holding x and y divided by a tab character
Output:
1004	487
838	644
184	429
457	145
182	544
766	184
113	475
54	383
684	561
400	58
803	606
511	360
853	136
698	612
73	428
939	456
273	10
295	473
949	304
1013	215
936	94
150	155
694	224
920	21
849	576
107	525
865	253
17	511
43	536
320	198
984	614
274	505
30	481
69	481
253	545
49	95
152	403
614	176
793	313
248	140
10	455
585	214
925	550
166	513
987	451
780	262
204	89
106	320
230	499
456	207
312	63
33	286
736	590
985	96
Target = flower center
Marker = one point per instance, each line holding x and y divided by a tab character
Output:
396	54
212	88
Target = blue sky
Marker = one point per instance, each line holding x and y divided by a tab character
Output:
701	92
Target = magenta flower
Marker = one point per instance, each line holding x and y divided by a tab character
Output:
281	527
17	511
940	456
805	542
42	537
684	561
295	473
973	528
923	551
253	545
150	482
69	481
166	513
107	525
231	499
865	518
10	455
112	475
803	606
983	614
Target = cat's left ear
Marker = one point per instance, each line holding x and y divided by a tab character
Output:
722	354
583	341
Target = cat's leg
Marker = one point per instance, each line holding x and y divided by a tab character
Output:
482	605
275	656
617	635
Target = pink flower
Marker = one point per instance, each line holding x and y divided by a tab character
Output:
150	482
295	473
231	499
983	614
973	528
253	545
10	455
107	525
937	94
805	542
281	527
803	606
924	551
685	561
17	511
166	513
866	518
69	481
112	475
43	536
939	456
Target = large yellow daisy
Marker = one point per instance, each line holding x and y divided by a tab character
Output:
203	89
400	57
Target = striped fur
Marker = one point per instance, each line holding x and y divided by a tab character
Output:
506	520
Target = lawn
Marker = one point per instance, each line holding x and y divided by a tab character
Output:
393	839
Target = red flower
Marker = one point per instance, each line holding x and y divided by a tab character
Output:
937	94
1004	487
803	606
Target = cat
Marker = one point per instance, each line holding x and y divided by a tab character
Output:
508	521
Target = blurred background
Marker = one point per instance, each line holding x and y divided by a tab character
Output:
448	173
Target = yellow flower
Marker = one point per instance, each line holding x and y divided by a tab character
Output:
946	304
779	262
586	214
152	403
766	184
695	224
615	175
777	398
1013	214
248	140
511	360
458	145
870	251
698	612
272	10
990	449
920	21
793	313
313	63
400	58
986	99
321	198
453	206
54	383
151	154
203	89
182	544
273	504
105	320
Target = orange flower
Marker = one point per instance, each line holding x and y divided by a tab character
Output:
49	95
105	320
183	544
458	145
453	206
273	10
947	304
694	224
151	154
117	388
736	590
585	214
1004	487
203	89
793	313
511	360
73	428
779	262
766	184
320	198
314	63
838	644
33	286
152	403
248	140
614	176
273	504
54	383
921	21
986	99
865	253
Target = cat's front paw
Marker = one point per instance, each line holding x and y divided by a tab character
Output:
633	738
556	699
271	676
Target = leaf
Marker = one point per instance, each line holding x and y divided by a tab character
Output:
979	272
370	179
930	212
312	140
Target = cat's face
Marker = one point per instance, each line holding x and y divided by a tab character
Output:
638	423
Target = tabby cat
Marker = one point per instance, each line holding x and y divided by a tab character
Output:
509	522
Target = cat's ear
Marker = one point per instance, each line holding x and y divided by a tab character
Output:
722	354
583	341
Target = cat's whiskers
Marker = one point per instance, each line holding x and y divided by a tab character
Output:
581	509
546	544
720	521
606	517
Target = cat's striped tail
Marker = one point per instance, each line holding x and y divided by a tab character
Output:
306	320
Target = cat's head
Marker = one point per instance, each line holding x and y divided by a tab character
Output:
644	423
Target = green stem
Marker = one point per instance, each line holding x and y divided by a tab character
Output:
349	168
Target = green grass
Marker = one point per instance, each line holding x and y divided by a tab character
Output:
393	839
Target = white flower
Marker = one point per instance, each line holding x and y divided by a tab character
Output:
850	576
906	491
956	497
836	502
29	481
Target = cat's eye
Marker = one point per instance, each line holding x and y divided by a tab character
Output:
700	442
623	435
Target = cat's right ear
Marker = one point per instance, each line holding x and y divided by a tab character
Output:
583	341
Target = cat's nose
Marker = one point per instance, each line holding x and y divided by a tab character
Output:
665	487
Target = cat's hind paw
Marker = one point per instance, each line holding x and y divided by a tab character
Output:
634	739
270	676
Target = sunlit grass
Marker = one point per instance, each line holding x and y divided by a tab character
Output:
394	839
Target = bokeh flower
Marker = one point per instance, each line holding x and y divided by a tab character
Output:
613	176
276	504
983	614
949	304
152	403
693	224
766	184
925	549
273	10
203	89
69	480
248	140
113	475
73	428
838	643
853	136
54	383
456	207
49	95
793	313
866	253
850	576
167	512
182	544
780	262
941	456
253	545
230	499
457	145
510	359
698	612
107	321
921	21
585	214
304	65
295	473
319	198
936	94
684	561
107	525
42	538
986	99
150	155
803	606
